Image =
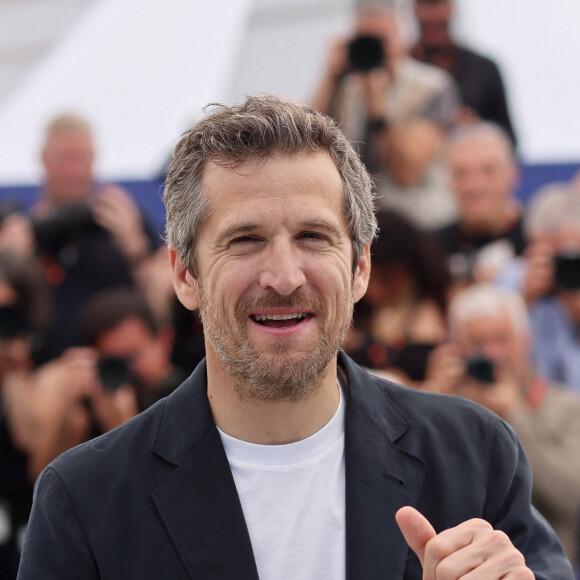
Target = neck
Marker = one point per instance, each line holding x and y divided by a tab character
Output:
265	422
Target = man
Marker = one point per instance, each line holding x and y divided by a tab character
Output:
89	237
22	313
491	334
549	276
276	458
121	327
396	110
483	174
477	77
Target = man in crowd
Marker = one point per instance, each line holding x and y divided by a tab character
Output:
489	363
478	79
279	457
121	327
483	174
22	313
89	237
396	110
549	277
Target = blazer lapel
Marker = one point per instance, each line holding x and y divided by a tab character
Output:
380	479
198	503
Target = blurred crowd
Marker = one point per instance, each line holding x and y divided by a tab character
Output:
471	294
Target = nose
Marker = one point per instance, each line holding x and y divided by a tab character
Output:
282	270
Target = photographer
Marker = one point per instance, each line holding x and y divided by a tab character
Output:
133	349
398	108
483	175
488	362
89	237
477	77
548	276
22	313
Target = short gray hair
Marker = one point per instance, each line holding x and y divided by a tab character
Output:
551	207
66	122
487	300
257	129
481	130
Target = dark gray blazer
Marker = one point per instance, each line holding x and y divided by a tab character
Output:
155	498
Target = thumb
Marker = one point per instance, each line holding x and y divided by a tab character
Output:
416	529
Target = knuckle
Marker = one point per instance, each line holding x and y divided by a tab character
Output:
480	525
500	538
445	571
435	549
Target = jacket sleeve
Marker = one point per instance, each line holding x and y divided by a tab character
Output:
508	508
56	545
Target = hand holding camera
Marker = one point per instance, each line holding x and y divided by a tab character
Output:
491	385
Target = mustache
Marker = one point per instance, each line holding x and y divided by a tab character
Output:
298	299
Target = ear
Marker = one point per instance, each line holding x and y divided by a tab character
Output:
183	282
362	274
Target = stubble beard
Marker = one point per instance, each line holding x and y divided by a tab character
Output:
291	370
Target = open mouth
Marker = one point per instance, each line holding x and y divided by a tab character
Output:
280	320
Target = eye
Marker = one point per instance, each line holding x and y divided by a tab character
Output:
244	244
313	240
312	236
243	240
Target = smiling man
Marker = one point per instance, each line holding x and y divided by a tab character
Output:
279	457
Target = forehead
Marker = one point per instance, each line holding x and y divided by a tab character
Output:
489	325
378	21
307	182
479	149
69	140
124	336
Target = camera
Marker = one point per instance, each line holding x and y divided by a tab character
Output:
12	322
366	52
54	231
567	270
482	369
113	372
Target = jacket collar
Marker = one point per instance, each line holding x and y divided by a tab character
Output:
201	510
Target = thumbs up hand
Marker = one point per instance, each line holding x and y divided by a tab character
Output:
471	549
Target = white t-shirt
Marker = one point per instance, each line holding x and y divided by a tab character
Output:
293	498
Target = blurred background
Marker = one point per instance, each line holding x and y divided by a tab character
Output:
141	71
475	289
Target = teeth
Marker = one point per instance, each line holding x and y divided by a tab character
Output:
262	317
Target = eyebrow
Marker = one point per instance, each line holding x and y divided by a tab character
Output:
321	224
236	230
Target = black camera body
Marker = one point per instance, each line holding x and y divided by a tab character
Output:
482	369
567	270
54	231
113	372
13	323
366	52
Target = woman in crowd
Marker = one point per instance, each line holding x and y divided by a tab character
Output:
402	317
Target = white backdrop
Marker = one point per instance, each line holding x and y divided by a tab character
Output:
141	70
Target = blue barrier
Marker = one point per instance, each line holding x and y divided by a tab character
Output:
148	193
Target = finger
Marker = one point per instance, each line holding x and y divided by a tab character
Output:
416	530
451	545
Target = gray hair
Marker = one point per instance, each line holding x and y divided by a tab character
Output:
66	122
487	300
550	208
258	129
481	130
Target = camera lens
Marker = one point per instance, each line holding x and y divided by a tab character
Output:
366	52
567	268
